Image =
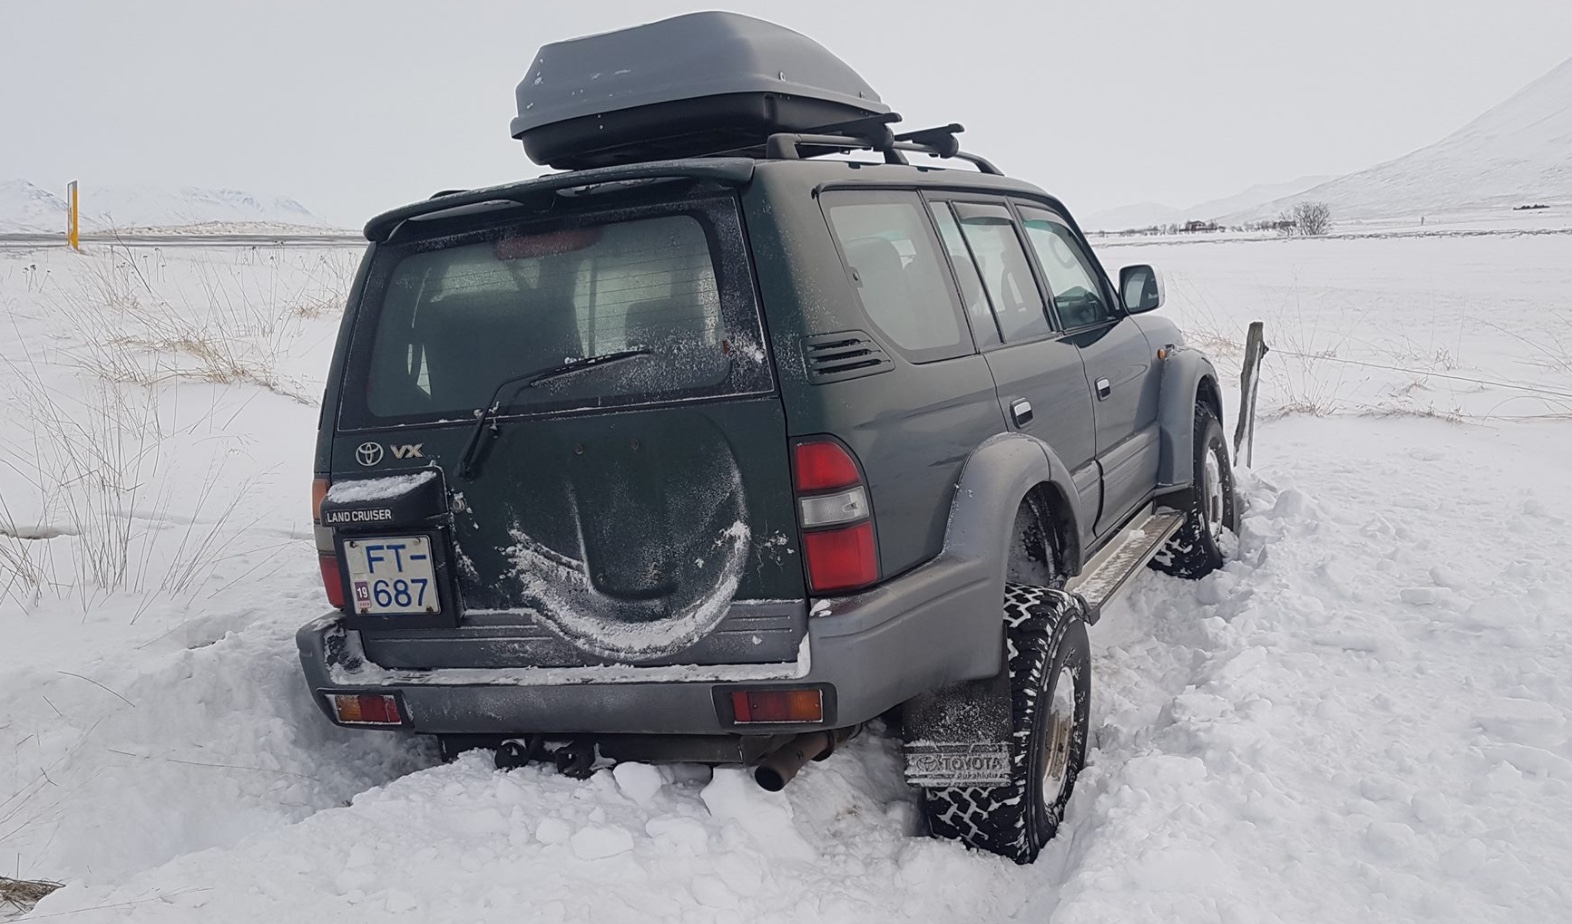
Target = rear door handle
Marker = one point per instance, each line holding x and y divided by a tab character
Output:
1021	411
1104	388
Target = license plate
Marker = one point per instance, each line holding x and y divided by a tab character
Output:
392	576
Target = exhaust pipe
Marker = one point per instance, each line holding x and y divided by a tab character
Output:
781	765
778	768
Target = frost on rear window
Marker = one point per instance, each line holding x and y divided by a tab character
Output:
455	321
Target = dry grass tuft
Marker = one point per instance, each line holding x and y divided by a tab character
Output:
240	332
23	894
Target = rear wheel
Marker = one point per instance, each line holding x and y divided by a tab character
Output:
1211	510
1050	690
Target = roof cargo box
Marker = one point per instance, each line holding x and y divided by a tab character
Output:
703	83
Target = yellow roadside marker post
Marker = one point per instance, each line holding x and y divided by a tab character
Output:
73	220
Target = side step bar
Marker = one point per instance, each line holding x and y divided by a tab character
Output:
1115	563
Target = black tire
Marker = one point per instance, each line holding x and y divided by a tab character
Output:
1047	643
1212	508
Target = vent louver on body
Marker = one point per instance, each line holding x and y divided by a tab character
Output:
845	355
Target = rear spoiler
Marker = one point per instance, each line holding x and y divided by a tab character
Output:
731	171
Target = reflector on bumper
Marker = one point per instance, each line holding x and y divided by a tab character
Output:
756	707
366	708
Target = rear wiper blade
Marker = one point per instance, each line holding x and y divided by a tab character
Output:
574	365
468	463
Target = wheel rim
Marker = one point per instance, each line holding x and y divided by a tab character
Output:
1059	739
1212	494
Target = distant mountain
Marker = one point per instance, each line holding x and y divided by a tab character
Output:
1253	197
1140	215
1147	214
26	207
1518	153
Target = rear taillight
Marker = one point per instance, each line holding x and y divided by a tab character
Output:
332	580
327	557
839	547
841	559
319	489
366	708
824	465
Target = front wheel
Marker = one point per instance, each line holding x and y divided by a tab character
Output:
1212	509
1051	691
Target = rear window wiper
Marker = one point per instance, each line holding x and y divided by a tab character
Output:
469	462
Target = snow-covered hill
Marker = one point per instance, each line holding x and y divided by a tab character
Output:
1146	214
1518	153
28	207
1139	215
1252	197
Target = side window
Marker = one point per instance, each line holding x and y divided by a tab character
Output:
1077	294
900	277
984	328
1006	274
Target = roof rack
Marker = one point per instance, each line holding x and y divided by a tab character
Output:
873	134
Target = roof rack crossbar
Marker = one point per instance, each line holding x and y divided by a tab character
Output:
943	138
983	164
788	145
936	142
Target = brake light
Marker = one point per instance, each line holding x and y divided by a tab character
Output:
366	708
839	547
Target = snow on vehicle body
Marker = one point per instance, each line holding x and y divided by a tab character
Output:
677	456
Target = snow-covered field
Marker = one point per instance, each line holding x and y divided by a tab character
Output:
1364	717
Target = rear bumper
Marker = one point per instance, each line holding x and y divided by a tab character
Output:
936	625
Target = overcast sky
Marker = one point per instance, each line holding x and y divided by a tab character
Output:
354	106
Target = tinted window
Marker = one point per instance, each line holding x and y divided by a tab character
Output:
1006	274
984	327
900	278
1077	295
454	318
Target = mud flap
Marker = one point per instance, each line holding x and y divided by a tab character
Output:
957	763
960	735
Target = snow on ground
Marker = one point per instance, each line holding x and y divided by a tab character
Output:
1364	716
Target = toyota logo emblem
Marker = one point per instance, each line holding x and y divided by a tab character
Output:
368	453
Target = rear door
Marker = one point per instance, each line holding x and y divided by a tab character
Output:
1120	364
1041	384
636	511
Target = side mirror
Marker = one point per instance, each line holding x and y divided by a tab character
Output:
1141	287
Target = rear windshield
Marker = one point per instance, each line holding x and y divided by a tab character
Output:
444	322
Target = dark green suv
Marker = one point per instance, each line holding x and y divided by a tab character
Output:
721	443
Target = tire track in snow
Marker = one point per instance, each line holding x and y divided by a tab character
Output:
1364	717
